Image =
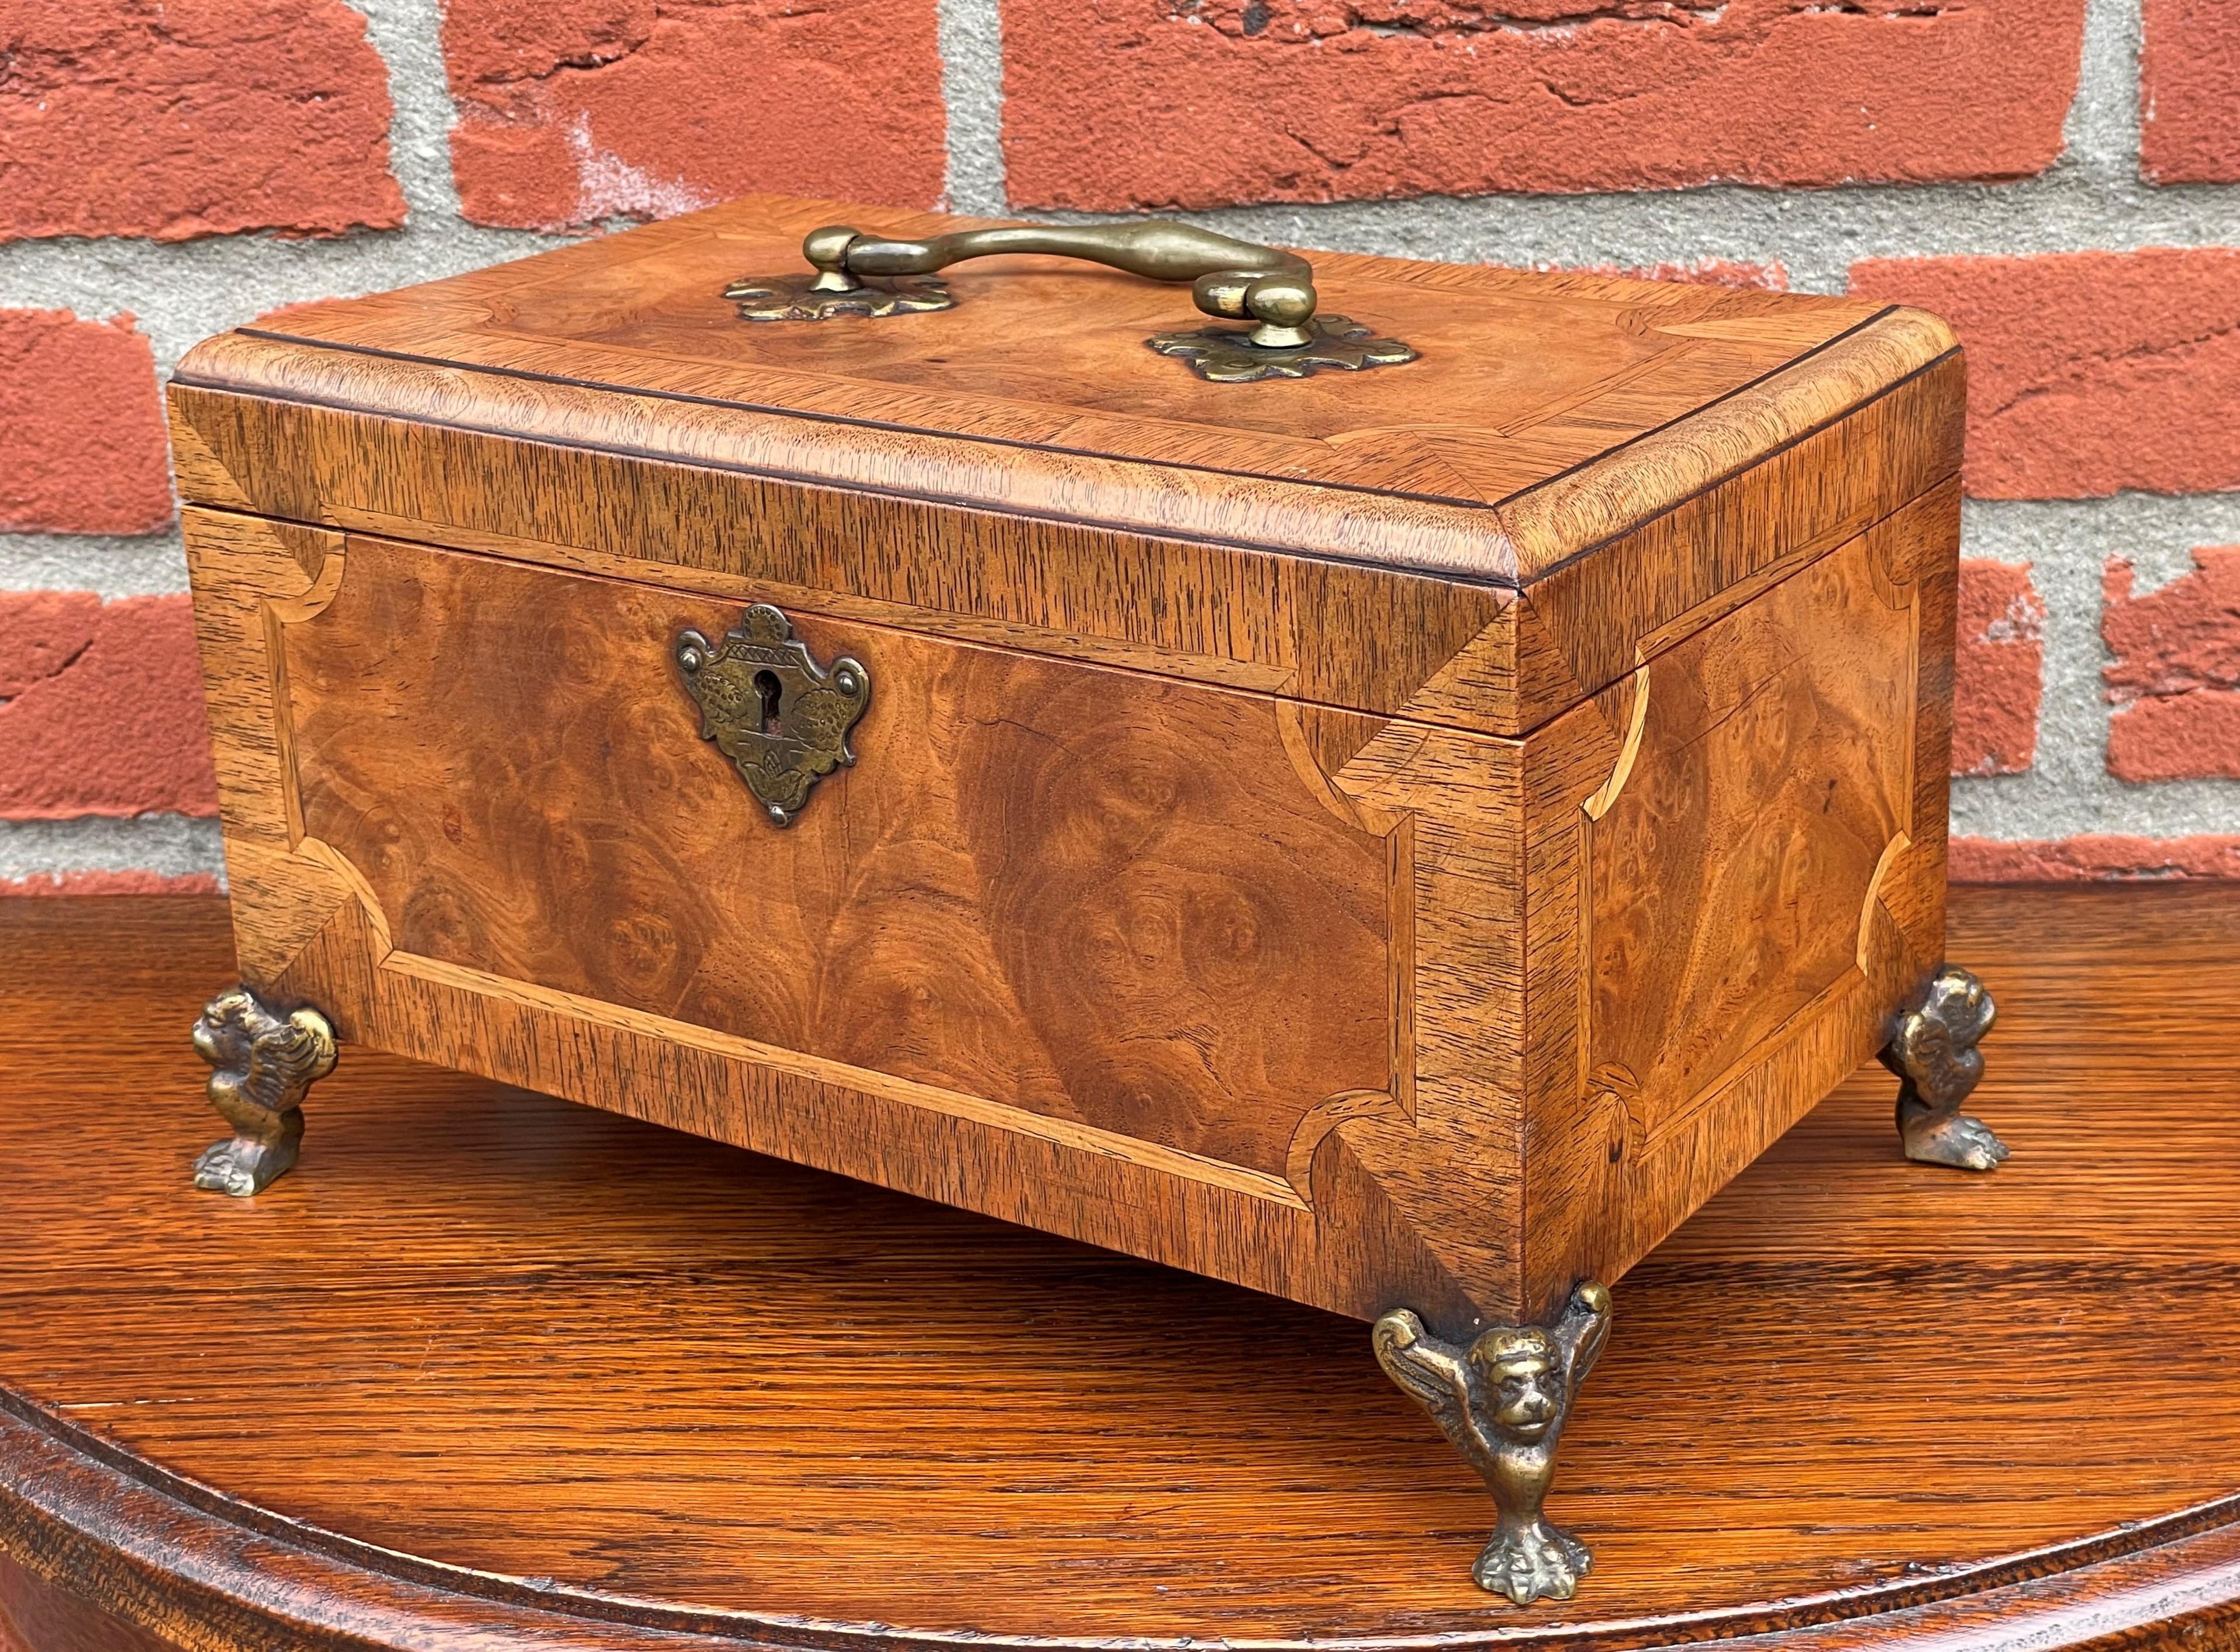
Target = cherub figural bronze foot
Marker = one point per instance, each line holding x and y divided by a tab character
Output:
1932	1048
1503	1402
262	1064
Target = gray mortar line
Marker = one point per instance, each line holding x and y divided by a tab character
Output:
971	35
2102	132
112	564
183	291
408	34
172	845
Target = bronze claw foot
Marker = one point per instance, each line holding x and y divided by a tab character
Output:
1503	1402
1534	1562
1932	1048
262	1066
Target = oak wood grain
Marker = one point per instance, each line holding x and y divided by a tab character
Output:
572	1380
37	1617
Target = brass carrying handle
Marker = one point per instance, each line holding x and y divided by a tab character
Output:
1228	277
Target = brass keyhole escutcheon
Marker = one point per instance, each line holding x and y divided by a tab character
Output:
781	718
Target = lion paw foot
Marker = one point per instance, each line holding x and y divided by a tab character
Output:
243	1167
1532	1563
1960	1140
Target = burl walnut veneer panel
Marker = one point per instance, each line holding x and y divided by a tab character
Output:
1094	895
1734	864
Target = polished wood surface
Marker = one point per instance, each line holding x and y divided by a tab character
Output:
489	1369
1333	1007
1524	378
1740	874
1735	868
1602	457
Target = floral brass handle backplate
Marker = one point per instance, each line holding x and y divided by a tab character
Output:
780	717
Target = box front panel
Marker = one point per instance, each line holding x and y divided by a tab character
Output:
1203	974
1093	895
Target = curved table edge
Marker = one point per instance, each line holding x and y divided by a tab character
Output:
187	1562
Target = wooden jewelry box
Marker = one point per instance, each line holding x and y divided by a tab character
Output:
1391	804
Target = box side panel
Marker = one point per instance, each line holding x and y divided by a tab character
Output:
1098	898
1589	622
1738	862
1198	973
250	577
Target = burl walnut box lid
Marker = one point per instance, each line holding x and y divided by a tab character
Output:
1575	435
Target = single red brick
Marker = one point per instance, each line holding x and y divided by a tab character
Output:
1112	105
40	633
81	444
2176	674
2180	737
494	42
1999	674
2182	638
118	727
174	118
575	112
109	883
2094	858
2190	92
2089	372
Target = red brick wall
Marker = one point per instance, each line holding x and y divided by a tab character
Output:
174	168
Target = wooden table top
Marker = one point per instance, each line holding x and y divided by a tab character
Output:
490	1369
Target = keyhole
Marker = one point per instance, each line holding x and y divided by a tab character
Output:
766	685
